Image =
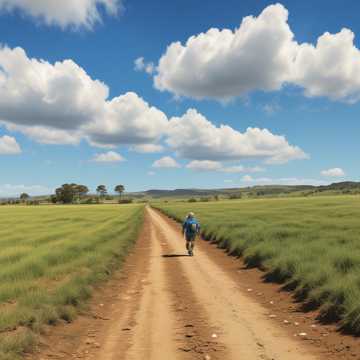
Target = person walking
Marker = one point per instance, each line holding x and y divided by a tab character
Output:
191	228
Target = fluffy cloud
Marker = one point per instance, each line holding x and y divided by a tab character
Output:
208	165
64	13
141	65
261	54
127	119
166	162
148	148
331	68
35	92
222	64
194	137
47	135
110	156
60	103
335	172
9	146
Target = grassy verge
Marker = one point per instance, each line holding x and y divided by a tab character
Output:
50	259
310	244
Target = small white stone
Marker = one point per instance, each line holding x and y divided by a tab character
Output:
214	336
272	316
249	290
296	323
271	302
286	322
303	334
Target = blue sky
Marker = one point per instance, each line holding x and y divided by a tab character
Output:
58	124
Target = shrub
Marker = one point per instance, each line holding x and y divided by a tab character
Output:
125	201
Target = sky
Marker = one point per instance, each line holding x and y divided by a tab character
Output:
176	94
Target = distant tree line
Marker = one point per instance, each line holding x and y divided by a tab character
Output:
77	193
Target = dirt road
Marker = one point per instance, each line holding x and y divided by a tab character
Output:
171	306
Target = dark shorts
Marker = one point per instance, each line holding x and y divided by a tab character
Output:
190	237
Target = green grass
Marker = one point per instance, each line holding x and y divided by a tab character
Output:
310	244
50	259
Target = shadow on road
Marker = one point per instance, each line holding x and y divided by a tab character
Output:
173	255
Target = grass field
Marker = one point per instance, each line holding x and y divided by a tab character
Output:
50	256
310	244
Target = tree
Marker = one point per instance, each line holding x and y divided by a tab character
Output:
119	189
24	197
53	199
80	191
101	190
65	193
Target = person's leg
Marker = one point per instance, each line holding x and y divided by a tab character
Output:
191	246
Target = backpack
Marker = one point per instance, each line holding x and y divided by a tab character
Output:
193	228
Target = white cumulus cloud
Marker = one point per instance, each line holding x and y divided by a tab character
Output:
64	13
127	119
9	146
110	156
166	162
223	64
262	54
335	172
35	92
194	137
331	68
61	104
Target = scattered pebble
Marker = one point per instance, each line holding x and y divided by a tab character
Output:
259	294
296	323
286	322
207	357
271	302
303	334
313	326
249	290
272	316
186	349
214	336
101	305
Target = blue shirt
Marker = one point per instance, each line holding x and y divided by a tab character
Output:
187	229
